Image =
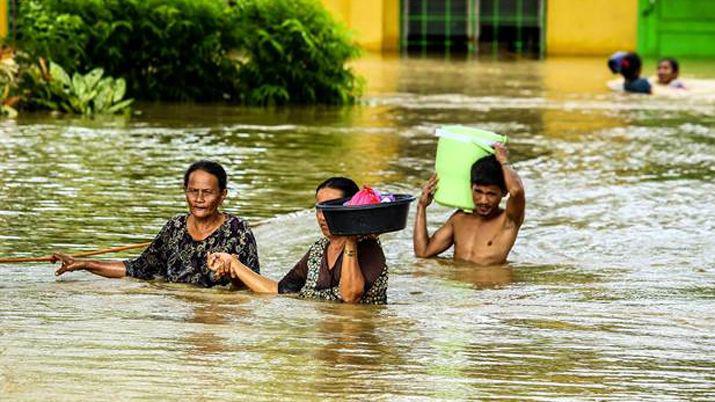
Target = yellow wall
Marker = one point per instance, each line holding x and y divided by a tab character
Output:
3	19
391	24
340	9
573	27
590	27
366	20
375	23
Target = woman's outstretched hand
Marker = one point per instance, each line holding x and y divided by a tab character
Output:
69	264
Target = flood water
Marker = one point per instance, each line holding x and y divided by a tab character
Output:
609	293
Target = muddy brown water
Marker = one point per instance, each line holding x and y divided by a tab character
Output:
609	293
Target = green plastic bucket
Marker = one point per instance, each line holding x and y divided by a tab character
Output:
457	149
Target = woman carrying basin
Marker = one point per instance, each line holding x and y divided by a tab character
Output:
338	268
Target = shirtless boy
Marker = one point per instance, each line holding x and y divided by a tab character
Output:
486	235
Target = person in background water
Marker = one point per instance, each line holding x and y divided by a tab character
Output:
486	235
630	68
338	268
178	253
667	72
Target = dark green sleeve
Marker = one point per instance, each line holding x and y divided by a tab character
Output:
372	261
295	279
152	261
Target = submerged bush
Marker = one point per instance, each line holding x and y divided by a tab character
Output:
87	94
173	50
35	84
294	52
251	51
9	71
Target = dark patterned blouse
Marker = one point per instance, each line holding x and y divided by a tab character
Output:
177	257
311	277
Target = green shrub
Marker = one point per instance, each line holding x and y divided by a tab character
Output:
294	53
173	50
252	51
45	32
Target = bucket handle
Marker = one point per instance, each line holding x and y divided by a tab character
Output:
465	138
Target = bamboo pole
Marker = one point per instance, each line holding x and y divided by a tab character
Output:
48	258
82	254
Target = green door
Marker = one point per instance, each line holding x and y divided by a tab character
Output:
676	28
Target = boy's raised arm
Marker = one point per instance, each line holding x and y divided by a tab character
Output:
516	204
424	245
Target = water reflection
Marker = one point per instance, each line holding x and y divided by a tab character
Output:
349	335
465	273
211	311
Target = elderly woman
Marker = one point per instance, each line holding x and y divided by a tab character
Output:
338	268
179	252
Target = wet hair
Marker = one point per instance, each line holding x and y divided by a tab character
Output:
673	63
347	186
487	171
209	167
630	66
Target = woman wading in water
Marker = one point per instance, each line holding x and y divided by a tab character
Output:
338	268
179	251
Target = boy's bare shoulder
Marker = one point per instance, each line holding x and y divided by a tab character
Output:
460	217
458	214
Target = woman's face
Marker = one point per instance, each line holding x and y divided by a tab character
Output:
666	73
203	194
325	194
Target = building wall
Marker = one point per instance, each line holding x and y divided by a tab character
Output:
374	23
573	27
3	19
391	24
590	27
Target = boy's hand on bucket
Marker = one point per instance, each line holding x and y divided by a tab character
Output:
428	191
501	153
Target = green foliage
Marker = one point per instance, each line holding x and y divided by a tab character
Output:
45	32
252	51
173	50
294	52
87	94
9	71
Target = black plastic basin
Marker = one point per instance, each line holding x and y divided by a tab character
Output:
366	219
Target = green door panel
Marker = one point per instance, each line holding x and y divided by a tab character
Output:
676	28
